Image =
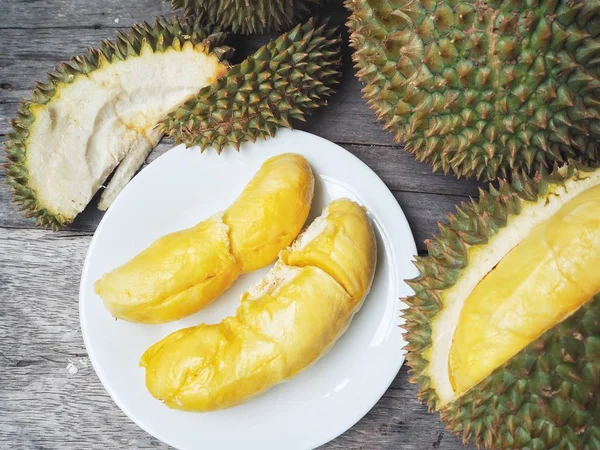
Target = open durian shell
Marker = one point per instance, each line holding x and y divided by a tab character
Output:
546	395
43	182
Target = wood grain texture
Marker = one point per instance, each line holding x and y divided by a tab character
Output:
50	397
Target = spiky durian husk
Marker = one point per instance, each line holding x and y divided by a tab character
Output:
162	35
248	16
282	81
542	398
483	88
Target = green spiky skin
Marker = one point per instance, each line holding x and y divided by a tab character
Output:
483	88
545	397
162	35
284	80
248	16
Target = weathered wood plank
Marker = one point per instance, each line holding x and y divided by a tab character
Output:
100	13
80	14
50	396
414	185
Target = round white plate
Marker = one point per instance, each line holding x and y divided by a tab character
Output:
184	186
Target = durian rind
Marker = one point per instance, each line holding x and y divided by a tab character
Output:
499	411
283	81
163	36
249	16
481	89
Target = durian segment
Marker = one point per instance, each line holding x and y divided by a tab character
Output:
182	272
340	242
96	109
284	324
248	16
483	88
541	397
271	210
281	82
210	367
543	280
177	275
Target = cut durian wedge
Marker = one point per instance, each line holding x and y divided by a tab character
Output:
99	111
504	329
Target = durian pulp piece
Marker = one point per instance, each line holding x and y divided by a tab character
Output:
283	188
177	275
182	272
285	323
538	284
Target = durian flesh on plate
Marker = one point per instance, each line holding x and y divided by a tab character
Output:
98	113
503	331
182	272
284	324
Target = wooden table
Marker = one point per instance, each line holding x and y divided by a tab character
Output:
50	396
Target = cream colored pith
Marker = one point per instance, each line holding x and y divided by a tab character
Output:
95	122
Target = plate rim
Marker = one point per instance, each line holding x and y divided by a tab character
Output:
85	268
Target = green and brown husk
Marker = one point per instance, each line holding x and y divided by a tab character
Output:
483	88
283	81
163	34
248	16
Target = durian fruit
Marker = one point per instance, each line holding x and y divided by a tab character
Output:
248	16
182	272
504	328
483	88
282	81
285	322
99	111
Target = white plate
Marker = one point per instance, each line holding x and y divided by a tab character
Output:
185	186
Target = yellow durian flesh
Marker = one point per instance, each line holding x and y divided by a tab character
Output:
177	275
184	271
266	342
284	324
543	280
341	247
271	211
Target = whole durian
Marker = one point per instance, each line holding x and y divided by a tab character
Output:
284	80
483	88
99	111
503	331
248	16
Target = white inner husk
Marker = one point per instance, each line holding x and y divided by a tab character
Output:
91	124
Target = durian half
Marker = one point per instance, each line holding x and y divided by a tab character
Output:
99	111
504	328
